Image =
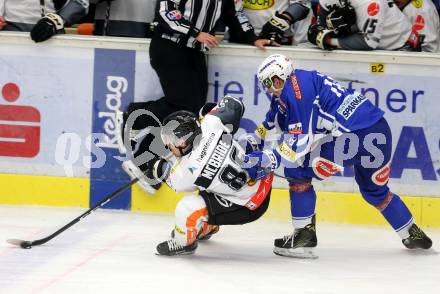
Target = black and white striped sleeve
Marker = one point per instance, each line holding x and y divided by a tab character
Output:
171	19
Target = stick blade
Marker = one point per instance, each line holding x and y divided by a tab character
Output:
21	243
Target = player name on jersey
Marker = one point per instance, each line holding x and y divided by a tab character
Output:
350	104
213	164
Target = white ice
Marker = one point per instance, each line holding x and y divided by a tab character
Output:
114	252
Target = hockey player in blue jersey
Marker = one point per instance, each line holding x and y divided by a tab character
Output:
325	127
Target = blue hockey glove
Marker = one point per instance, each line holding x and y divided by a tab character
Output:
260	163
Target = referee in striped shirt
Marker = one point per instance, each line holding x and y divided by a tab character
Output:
185	30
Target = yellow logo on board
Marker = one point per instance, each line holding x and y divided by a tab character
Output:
258	4
377	68
417	3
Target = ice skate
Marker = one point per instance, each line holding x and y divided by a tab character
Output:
300	244
417	239
171	248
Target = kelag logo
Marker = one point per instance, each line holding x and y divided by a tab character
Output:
113	90
19	125
116	86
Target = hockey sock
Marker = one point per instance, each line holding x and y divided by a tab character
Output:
398	215
302	204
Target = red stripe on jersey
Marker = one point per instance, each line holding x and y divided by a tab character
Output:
262	192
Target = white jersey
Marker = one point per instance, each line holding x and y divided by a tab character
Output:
127	10
299	29
127	18
383	25
22	15
260	12
214	166
425	20
25	11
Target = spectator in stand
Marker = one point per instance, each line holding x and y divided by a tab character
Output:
285	21
2	11
362	25
425	20
42	18
2	22
124	18
437	5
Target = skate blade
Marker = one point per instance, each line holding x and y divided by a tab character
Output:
420	251
176	255
302	253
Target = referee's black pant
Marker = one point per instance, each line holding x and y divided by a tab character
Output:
183	75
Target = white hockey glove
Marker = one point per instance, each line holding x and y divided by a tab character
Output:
317	34
48	26
135	173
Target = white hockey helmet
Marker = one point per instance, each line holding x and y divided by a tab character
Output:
276	65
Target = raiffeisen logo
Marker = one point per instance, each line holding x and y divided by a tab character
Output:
116	86
258	4
19	125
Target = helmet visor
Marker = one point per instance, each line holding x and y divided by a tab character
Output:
266	84
176	133
168	135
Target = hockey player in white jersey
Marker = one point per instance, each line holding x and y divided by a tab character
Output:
282	21
127	18
362	25
207	160
425	20
43	18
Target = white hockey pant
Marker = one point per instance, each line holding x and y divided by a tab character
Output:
191	219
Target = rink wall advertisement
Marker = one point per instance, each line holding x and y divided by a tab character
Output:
58	113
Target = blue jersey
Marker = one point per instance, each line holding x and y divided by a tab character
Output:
312	104
316	103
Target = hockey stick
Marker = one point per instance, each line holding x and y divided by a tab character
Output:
296	180
107	18
28	244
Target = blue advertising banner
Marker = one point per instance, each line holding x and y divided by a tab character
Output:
113	90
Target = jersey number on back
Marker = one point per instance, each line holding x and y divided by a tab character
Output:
370	25
334	86
234	178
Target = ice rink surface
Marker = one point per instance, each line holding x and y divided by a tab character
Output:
114	252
